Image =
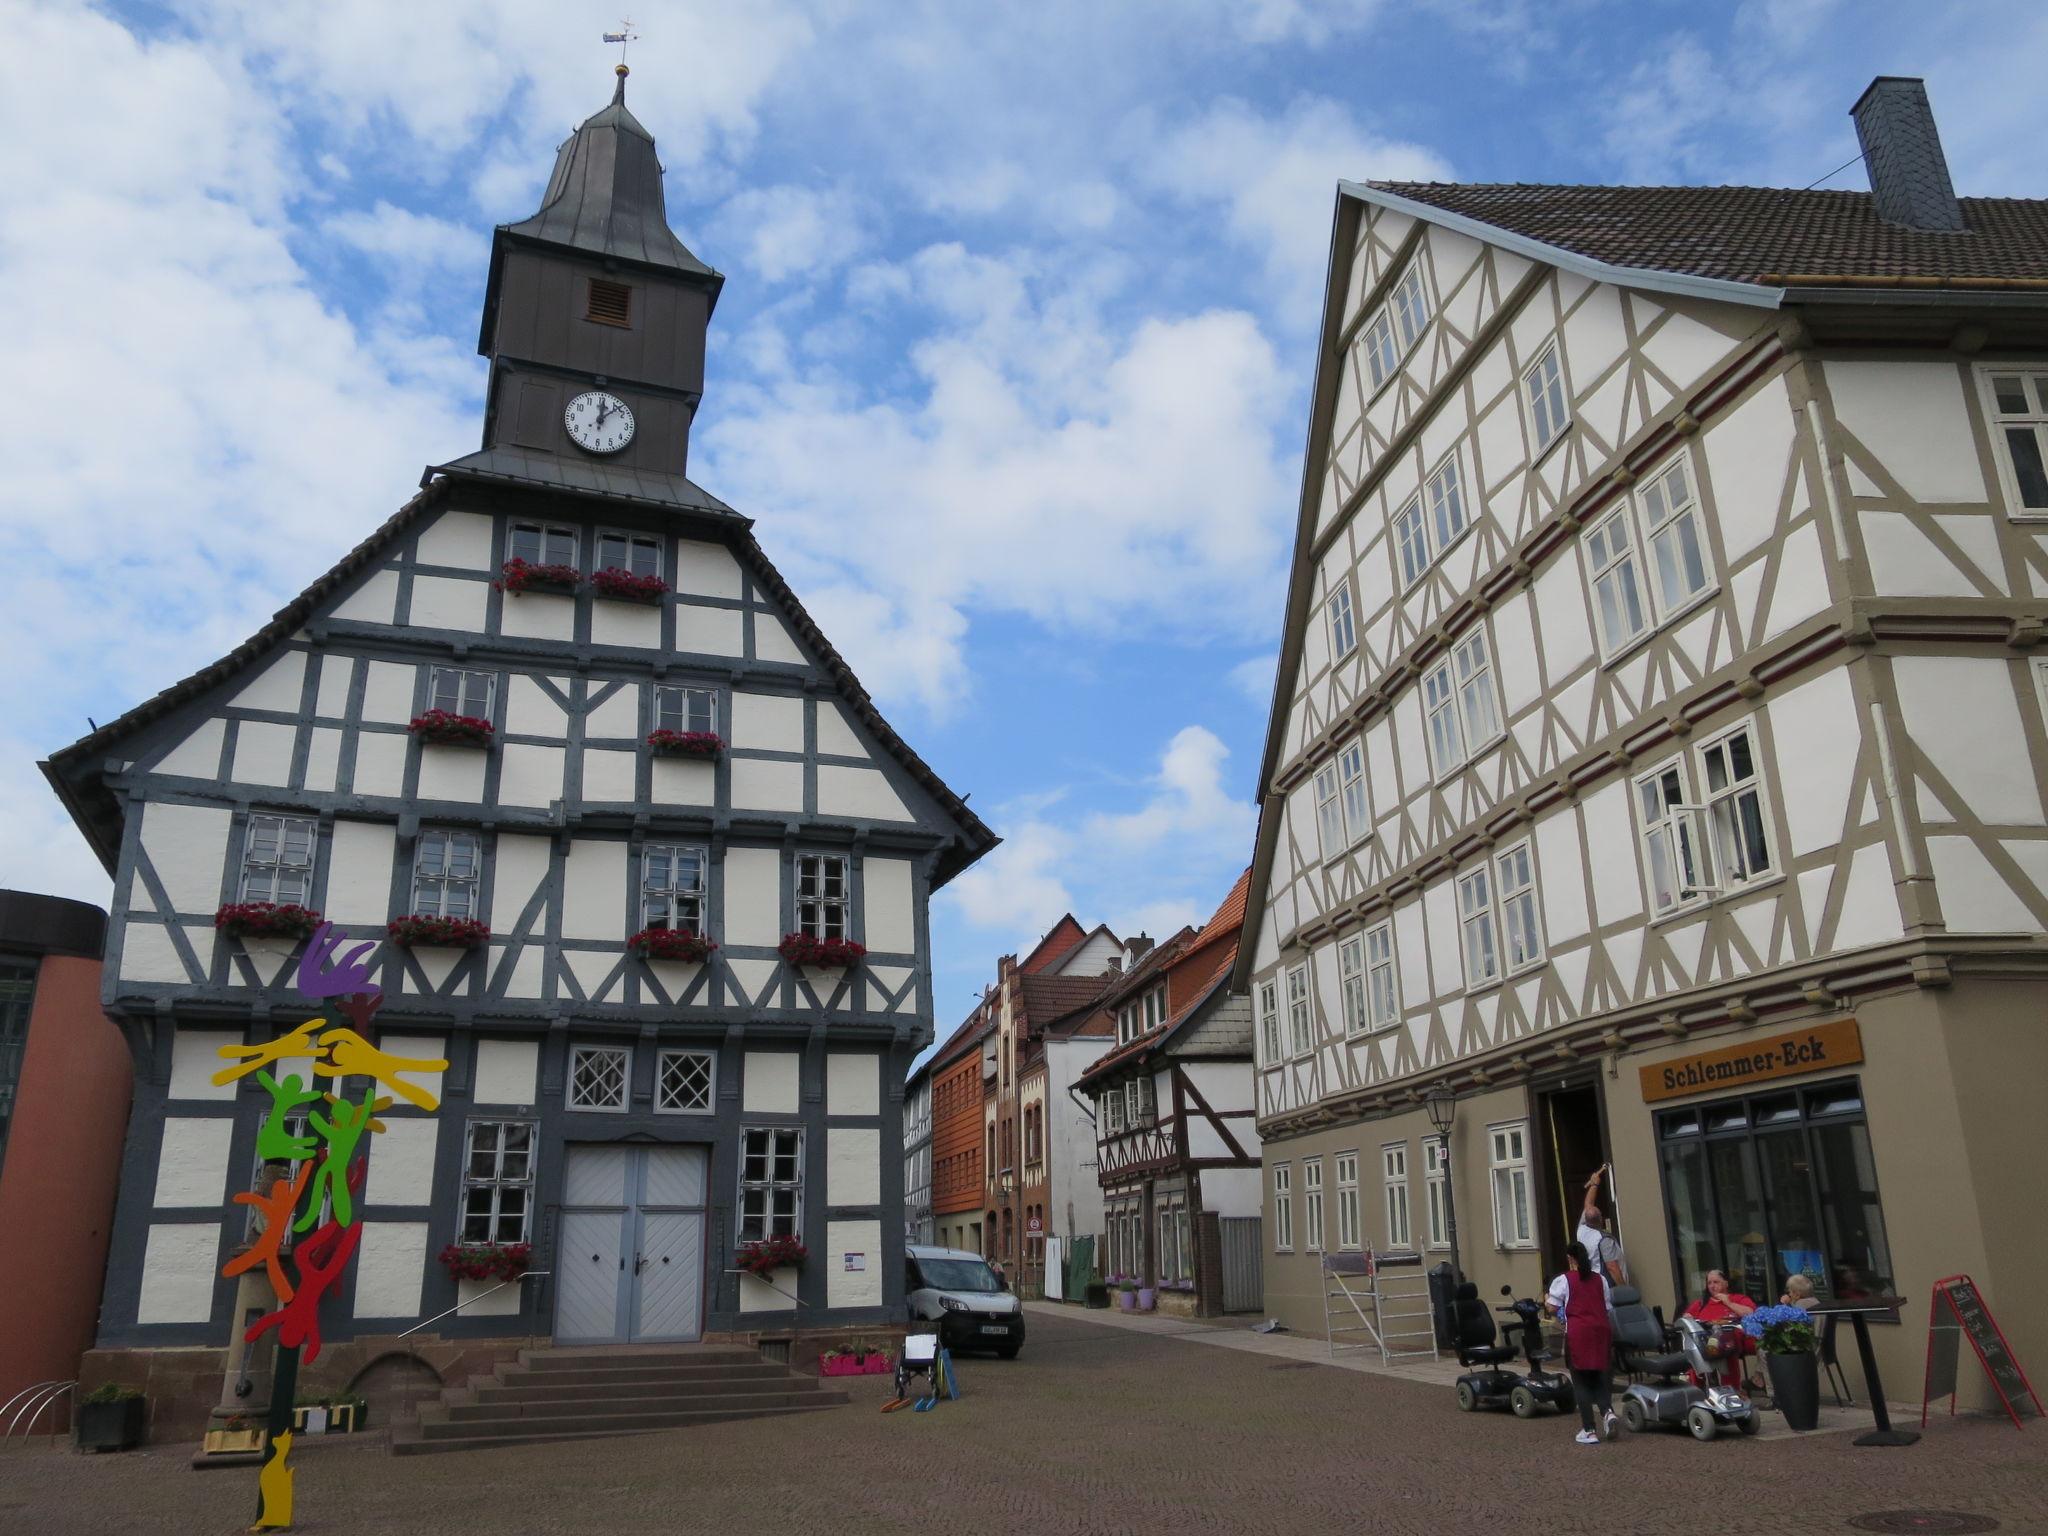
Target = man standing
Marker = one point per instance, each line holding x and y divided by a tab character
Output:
1602	1248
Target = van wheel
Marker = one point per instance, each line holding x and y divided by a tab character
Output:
1008	1351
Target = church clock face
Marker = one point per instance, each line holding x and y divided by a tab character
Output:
599	422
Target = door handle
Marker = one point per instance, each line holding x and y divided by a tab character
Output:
639	1263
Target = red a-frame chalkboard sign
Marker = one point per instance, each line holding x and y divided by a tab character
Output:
1958	1309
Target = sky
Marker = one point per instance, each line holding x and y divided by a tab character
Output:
1010	368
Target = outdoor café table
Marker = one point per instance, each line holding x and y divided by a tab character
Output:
1859	1314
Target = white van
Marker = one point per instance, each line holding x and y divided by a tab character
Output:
967	1299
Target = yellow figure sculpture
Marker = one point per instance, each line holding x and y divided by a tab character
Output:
298	1043
350	1055
274	1485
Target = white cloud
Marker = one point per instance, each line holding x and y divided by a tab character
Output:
776	233
1253	677
410	242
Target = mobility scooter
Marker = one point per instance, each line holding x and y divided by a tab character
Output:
1491	1384
1699	1402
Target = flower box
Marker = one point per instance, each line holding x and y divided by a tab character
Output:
442	728
671	944
108	1419
848	1363
820	954
487	1261
625	587
762	1257
522	576
266	920
329	1416
686	743
423	932
224	1442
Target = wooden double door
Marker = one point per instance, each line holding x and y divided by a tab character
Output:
632	1250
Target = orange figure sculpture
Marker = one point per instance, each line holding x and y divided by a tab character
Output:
350	1055
298	1043
275	1206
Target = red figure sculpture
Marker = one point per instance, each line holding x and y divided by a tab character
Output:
321	1259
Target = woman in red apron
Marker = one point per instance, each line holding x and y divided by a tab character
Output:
1588	1313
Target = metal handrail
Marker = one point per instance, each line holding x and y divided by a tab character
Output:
778	1290
45	1393
531	1274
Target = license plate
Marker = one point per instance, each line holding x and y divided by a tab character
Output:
994	1328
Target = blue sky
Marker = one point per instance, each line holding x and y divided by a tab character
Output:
1010	367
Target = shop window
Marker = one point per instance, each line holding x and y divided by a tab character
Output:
1774	1185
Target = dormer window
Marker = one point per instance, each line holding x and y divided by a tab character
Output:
610	303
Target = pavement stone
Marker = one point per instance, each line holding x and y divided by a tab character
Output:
1124	1425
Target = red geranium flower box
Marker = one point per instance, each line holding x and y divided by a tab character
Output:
763	1256
625	587
522	576
423	931
266	920
445	728
671	944
821	954
686	743
876	1362
487	1261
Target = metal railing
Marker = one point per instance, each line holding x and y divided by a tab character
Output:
38	1398
531	1274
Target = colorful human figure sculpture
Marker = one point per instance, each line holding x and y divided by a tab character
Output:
350	1055
251	1058
275	1142
275	1205
348	974
341	1133
320	1258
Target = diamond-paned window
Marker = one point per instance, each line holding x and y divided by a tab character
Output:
682	1086
597	1076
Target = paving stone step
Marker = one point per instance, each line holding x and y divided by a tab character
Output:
627	1376
594	1409
515	1430
412	1443
614	1356
546	1389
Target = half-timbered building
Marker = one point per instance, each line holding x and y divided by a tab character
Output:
1656	758
660	740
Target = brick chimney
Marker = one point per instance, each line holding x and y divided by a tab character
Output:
1902	152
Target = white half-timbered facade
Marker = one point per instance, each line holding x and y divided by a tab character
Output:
1660	684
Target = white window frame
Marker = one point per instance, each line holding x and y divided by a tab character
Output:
1347	1202
1357	806
1544	392
1343	622
1514	890
1312	1233
1421	536
2001	424
1679	513
635	544
545	538
1351	982
821	924
1614	575
1410	304
767	1187
1672	834
1300	1017
497	1183
1688	834
1382	354
1112	1102
462	691
1435	1189
1627	549
678	903
1382	977
1283	1208
1507	1165
577	1052
265	873
1446	490
1394	1185
1478	929
1411	541
672	1053
1723	816
1330	812
685	706
450	840
1269	1020
1460	700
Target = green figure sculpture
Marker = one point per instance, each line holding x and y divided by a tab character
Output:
274	1142
341	1135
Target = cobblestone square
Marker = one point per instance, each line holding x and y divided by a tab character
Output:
1095	1428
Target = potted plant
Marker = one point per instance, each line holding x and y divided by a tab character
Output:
349	1413
1785	1335
764	1255
520	576
671	944
625	587
423	931
667	743
240	1433
445	728
487	1261
858	1357
801	950
1127	1295
108	1418
266	920
1148	1298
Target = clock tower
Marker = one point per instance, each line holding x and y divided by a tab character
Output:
594	321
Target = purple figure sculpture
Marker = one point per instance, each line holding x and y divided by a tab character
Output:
348	974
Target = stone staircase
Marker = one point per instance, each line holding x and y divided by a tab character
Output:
584	1394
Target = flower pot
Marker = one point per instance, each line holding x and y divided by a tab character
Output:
1127	1300
1795	1384
115	1426
1148	1298
876	1364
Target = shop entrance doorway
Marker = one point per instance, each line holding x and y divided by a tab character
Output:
1571	1137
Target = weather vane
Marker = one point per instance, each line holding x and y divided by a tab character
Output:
622	37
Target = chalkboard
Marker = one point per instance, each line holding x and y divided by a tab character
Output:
1965	1305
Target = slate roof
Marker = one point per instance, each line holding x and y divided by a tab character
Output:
1766	235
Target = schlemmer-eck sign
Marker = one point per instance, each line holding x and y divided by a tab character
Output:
1816	1048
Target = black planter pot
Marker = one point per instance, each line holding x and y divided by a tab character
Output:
115	1426
1795	1384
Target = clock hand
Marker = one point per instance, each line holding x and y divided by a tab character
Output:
603	410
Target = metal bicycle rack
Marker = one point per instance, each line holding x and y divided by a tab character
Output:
33	1402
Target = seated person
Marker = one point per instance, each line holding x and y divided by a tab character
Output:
1722	1309
1798	1292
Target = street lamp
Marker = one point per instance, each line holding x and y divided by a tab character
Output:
1442	1107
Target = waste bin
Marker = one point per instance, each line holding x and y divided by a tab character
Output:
1443	1306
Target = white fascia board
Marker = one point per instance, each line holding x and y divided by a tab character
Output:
1650	279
